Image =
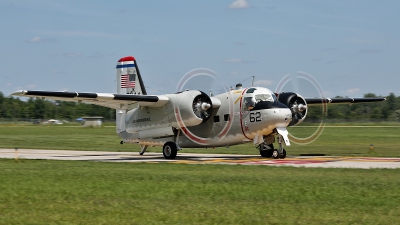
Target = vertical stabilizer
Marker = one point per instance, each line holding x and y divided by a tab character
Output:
129	80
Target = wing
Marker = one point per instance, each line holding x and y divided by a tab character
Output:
114	101
314	101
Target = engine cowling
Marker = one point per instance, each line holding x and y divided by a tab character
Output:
297	104
192	107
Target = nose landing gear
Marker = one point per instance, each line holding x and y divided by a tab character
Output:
279	153
268	151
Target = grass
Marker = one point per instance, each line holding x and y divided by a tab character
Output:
62	137
74	192
345	141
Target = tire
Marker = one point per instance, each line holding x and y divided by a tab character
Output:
170	150
283	154
275	154
266	150
264	154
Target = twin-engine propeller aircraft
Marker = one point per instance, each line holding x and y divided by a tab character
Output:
193	119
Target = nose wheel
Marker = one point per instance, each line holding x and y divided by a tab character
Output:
266	150
279	154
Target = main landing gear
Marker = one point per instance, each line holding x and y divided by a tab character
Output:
170	150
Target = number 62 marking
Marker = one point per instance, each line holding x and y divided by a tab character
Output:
255	117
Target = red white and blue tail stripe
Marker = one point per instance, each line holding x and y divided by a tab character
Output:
129	80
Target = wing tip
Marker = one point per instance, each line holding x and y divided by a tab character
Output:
19	92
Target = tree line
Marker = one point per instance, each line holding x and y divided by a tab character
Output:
39	109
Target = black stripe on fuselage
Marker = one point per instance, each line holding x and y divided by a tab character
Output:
269	105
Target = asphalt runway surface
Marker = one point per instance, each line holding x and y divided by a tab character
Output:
192	158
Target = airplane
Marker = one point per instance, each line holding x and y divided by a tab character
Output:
193	119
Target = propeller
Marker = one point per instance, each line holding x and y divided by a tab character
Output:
296	104
307	85
202	106
299	109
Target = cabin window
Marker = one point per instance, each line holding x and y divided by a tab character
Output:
226	117
216	119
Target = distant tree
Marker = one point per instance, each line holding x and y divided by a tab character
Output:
370	95
391	102
1	104
39	109
376	113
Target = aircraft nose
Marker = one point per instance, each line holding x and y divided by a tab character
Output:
283	117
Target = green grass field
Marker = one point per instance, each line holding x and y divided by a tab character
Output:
333	141
74	192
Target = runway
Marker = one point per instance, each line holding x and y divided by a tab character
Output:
192	158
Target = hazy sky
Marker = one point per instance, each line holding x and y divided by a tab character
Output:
351	47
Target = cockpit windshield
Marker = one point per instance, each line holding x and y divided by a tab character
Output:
254	96
265	97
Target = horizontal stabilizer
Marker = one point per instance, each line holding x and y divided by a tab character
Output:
114	101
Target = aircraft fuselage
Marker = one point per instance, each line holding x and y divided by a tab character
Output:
243	115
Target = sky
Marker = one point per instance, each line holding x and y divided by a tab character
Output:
350	47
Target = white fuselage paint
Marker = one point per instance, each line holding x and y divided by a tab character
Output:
235	125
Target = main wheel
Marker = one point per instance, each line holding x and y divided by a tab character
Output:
170	150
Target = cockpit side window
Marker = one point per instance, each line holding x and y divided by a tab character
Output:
248	103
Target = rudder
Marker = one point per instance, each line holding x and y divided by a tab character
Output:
129	80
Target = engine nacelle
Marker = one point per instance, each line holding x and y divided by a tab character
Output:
191	107
297	104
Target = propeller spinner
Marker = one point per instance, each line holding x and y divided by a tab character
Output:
202	106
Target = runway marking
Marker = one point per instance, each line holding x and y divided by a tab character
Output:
191	158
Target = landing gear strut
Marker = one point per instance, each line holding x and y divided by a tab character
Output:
143	149
280	152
